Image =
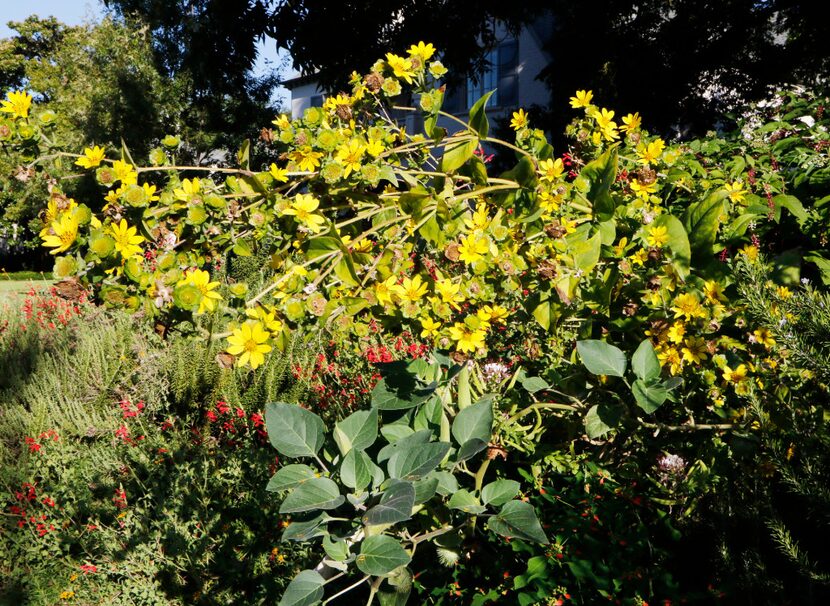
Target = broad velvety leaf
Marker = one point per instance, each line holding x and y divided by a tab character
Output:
456	153
649	397
395	505
356	469
388	397
318	493
413	439
478	115
469	449
294	431
305	529
425	489
413	462
290	476
475	421
644	362
600	358
466	501
499	492
359	430
306	589
600	419
518	519
381	555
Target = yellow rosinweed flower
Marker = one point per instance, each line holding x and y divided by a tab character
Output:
422	51
303	207
250	343
467	340
519	120
658	235
17	104
126	239
551	170
92	157
582	99
401	67
201	280
473	248
62	233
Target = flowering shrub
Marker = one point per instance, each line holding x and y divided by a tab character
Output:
579	300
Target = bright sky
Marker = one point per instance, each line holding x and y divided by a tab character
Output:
75	12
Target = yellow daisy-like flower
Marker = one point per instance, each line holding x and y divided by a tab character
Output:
201	280
17	104
349	155
250	343
190	188
736	191
494	313
305	158
582	99
604	119
631	122
126	239
430	328
695	350
688	306
641	190
676	332
649	153
658	235
783	292
268	317
422	51
467	339
764	337
713	291
92	157
736	376
282	122
449	292
124	172
62	234
411	290
375	147
519	120
750	252
479	219
473	248
669	356
279	174
551	169
402	68
384	290
303	207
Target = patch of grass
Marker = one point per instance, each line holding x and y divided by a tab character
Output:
25	275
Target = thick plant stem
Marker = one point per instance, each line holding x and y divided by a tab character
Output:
482	471
464	395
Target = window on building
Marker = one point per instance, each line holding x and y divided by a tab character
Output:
502	75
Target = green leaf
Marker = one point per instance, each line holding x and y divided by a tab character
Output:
601	174
395	505
242	248
702	220
478	116
425	489
600	358
644	362
534	384
359	430
447	484
318	493
294	431
457	153
475	421
337	550
356	469
499	492
413	462
290	476
792	204
469	449
600	419
389	397
305	589
518	519
678	242
413	439
649	397
586	253
465	501
380	555
305	530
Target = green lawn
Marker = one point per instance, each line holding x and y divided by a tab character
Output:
14	289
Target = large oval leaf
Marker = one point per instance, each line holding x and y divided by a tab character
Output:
319	493
478	115
294	431
359	430
518	519
644	362
290	476
600	358
380	555
475	421
395	505
415	461
306	589
356	469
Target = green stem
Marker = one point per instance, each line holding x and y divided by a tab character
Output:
464	395
480	474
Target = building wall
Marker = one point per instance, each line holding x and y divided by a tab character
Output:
302	96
